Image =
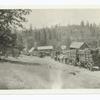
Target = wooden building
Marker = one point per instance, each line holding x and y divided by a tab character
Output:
41	49
79	45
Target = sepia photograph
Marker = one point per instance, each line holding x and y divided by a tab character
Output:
49	49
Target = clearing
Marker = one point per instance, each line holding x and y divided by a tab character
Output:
28	72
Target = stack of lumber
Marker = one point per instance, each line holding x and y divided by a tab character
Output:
85	55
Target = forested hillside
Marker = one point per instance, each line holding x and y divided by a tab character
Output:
61	35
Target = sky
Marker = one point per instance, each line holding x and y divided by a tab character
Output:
49	17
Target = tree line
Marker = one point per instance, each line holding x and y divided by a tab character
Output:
62	35
11	38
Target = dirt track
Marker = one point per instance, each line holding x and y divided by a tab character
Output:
45	73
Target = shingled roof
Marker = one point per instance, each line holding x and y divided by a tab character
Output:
45	48
77	45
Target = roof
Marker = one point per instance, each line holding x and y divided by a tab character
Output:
31	49
76	45
45	47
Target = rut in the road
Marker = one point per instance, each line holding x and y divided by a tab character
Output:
55	74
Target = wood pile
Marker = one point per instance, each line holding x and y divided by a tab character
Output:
85	55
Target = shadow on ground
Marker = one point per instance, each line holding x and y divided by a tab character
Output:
19	62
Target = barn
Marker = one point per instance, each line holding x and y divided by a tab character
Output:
45	49
79	45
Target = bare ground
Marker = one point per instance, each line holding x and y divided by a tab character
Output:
28	72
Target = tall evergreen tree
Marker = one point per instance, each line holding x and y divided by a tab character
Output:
10	18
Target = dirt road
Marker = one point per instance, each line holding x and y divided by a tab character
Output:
45	73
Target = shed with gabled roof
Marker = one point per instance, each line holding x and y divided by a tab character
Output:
79	45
